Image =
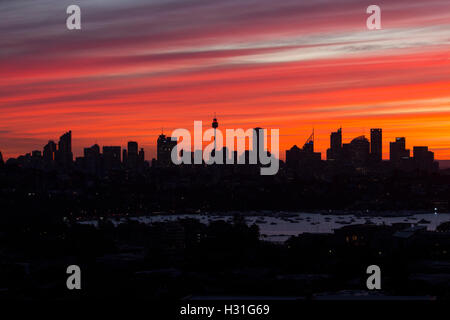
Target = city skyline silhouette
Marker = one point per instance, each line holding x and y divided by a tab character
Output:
384	155
359	152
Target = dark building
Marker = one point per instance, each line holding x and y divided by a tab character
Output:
64	155
305	157
131	160
165	146
132	148
92	159
398	151
357	151
141	160
1	159
49	152
424	159
111	158
141	156
376	144
92	151
308	147
335	150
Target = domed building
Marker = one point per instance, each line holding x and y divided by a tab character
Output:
357	151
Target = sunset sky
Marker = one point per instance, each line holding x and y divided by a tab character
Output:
140	65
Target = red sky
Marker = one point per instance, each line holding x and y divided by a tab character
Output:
137	66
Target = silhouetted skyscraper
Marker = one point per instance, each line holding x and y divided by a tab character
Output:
64	155
132	159
132	148
424	159
335	150
141	159
309	144
1	158
398	151
94	150
376	144
92	159
111	158
165	146
49	152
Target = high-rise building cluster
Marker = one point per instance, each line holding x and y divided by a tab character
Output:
296	157
165	146
359	153
60	155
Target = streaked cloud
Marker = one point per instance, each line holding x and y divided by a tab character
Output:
138	65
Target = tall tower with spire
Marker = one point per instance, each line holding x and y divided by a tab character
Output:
215	125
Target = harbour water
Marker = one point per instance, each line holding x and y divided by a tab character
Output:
280	227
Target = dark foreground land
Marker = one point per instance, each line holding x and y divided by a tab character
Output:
187	259
40	236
